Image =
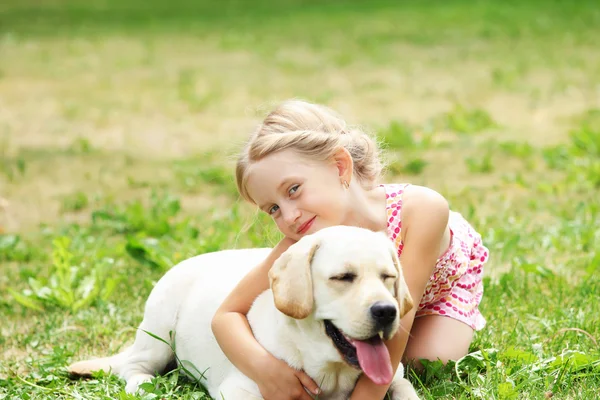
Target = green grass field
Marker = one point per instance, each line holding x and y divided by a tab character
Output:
120	121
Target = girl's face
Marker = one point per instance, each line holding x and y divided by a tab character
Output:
301	195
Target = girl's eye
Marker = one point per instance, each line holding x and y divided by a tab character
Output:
293	189
273	209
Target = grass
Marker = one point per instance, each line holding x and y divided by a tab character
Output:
119	122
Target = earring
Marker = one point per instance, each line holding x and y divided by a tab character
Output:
346	184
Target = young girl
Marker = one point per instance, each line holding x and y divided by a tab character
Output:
308	170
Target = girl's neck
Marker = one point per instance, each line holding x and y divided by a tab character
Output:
366	208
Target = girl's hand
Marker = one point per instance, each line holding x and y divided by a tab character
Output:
279	381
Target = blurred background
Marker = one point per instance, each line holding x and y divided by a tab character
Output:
120	122
97	96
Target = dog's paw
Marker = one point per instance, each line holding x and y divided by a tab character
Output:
85	368
404	390
134	382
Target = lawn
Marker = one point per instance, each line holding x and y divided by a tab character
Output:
120	122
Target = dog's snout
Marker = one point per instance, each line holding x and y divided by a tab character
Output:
383	313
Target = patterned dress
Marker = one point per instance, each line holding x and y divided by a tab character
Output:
455	287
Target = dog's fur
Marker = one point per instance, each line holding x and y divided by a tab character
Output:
310	283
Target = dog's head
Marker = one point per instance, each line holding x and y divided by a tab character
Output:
351	279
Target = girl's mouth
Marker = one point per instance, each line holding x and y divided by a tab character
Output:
306	226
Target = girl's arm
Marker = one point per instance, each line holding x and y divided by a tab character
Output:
424	229
230	326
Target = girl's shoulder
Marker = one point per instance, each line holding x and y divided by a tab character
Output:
394	194
410	197
408	204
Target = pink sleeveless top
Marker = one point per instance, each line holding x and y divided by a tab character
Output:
455	287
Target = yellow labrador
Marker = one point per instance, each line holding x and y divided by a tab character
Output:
335	296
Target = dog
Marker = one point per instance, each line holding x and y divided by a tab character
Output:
334	297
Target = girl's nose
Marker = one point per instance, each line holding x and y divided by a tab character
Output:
291	215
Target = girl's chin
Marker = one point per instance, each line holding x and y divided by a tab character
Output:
314	229
316	226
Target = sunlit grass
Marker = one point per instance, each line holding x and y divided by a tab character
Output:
119	123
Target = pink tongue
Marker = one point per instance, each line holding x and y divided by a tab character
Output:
374	359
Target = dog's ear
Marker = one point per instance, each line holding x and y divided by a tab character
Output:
291	280
405	301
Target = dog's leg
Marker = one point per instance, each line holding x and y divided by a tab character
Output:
107	364
137	364
237	386
238	394
147	356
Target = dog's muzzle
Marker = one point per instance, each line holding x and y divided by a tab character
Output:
384	315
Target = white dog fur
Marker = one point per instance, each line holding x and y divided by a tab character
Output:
310	282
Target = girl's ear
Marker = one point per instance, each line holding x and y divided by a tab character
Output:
344	163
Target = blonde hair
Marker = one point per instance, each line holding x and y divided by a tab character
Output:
313	131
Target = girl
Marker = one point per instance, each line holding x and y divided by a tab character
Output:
308	170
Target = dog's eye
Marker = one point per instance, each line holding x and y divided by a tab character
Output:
386	276
346	277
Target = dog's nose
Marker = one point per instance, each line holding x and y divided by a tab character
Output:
383	313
